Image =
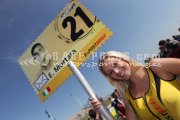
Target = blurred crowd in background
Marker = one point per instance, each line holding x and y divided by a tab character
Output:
170	47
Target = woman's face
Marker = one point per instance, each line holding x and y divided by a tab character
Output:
117	69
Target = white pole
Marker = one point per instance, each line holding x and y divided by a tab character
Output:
88	89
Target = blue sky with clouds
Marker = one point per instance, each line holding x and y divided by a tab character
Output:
137	25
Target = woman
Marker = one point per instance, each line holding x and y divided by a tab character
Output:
151	92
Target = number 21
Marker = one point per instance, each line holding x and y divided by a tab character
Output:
79	12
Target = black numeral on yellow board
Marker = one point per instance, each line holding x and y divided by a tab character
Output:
79	12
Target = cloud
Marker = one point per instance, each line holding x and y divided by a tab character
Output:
9	59
8	24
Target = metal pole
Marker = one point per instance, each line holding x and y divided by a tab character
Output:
89	90
49	115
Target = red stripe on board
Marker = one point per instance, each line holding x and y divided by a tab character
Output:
48	89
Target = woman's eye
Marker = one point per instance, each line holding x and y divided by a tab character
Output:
110	73
114	64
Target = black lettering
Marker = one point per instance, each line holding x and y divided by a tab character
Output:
56	68
69	56
74	35
79	12
84	17
63	63
50	74
73	51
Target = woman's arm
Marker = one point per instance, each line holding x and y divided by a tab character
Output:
169	66
130	115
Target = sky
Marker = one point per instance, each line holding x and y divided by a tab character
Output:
137	25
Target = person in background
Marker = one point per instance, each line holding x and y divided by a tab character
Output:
163	50
173	48
118	104
94	115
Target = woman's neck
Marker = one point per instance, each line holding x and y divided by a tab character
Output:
139	83
138	76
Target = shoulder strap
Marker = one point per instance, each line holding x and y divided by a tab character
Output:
157	83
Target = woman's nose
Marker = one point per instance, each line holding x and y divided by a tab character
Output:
116	70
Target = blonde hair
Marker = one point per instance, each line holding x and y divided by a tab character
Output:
119	84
